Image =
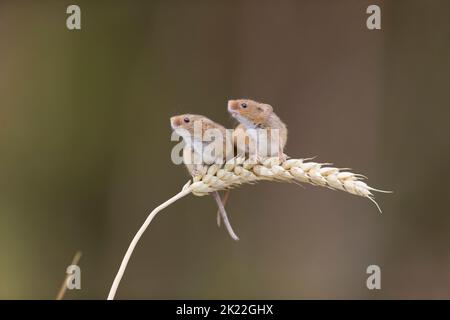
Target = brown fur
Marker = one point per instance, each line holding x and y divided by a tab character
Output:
260	114
206	124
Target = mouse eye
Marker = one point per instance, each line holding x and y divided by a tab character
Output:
186	120
243	105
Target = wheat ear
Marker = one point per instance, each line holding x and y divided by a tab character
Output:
239	170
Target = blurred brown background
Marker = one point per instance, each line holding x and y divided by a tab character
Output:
85	147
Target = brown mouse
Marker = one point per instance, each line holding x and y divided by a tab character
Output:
197	132
254	116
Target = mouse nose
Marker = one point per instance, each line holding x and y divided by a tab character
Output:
232	105
175	121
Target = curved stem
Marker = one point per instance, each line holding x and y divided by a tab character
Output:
136	238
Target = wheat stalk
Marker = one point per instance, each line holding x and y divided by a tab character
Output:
239	170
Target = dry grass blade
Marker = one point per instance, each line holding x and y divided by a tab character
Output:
62	290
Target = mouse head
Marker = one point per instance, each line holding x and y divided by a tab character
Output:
250	113
193	126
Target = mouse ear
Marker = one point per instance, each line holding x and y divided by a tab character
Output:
268	107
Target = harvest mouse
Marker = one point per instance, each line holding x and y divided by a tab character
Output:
197	132
260	134
254	116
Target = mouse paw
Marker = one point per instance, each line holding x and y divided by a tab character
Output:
255	159
282	157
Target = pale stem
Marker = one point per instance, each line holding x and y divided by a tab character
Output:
136	238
